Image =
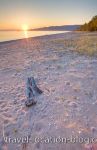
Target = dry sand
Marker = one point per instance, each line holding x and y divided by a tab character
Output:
68	105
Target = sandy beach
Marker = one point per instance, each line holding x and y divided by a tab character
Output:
67	75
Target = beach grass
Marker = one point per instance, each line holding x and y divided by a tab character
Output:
84	44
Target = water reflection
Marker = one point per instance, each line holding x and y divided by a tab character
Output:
13	35
26	34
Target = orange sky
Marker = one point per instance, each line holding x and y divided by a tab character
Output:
39	13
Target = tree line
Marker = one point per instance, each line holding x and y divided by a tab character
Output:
90	26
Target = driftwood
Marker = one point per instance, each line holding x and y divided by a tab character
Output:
32	91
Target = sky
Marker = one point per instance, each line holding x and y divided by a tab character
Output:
14	14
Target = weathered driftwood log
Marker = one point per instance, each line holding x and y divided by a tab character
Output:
32	91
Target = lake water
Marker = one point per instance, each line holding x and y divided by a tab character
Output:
13	35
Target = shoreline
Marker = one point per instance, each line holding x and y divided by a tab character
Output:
57	35
40	36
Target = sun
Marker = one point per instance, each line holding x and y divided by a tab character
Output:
25	27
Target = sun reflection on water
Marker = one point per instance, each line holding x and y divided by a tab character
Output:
25	29
26	34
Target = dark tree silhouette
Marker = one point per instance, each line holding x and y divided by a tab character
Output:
90	26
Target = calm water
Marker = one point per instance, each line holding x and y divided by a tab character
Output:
13	35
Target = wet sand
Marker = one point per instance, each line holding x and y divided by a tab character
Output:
68	105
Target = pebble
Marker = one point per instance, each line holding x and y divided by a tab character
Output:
67	83
93	129
79	132
94	103
73	104
15	102
49	124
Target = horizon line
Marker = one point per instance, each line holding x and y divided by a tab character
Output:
38	27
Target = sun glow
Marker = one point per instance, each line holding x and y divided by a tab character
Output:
25	27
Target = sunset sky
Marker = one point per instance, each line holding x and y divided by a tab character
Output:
14	14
